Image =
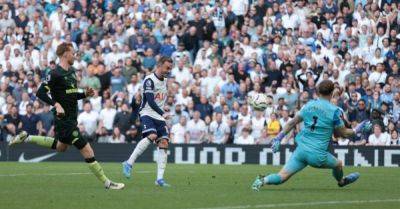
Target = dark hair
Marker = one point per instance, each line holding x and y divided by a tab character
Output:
62	48
164	59
326	87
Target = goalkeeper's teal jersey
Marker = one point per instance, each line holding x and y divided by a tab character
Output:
320	119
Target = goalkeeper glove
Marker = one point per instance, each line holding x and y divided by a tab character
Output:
360	127
276	142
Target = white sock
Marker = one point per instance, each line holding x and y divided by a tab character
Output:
139	149
161	163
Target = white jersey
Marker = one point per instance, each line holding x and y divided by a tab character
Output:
152	84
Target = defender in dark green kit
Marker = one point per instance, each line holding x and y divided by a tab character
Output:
62	86
61	83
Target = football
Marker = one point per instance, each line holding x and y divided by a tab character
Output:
258	102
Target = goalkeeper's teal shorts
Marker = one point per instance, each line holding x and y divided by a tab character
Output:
301	158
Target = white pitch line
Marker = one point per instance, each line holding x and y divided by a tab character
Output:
278	205
56	174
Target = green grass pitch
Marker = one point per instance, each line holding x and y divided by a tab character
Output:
70	185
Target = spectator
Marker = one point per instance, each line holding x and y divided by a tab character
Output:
133	135
181	73
219	131
88	121
379	138
245	138
118	82
117	137
258	123
167	49
230	87
47	120
12	121
196	129
122	119
96	101
179	132
30	122
24	103
273	126
204	108
394	138
289	138
91	81
178	114
107	116
149	62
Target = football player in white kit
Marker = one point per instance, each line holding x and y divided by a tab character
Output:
152	118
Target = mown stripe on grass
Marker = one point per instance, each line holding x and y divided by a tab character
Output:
57	174
277	205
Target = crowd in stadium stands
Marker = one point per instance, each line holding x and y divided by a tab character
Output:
223	52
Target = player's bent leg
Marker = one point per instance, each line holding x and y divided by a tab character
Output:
294	165
87	152
337	171
139	149
162	162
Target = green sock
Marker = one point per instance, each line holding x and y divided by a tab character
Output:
337	173
97	170
273	179
43	141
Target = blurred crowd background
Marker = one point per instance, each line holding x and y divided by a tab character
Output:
223	52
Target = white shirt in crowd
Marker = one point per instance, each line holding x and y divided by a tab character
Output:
343	141
244	140
290	21
239	7
196	131
132	90
89	121
257	126
182	75
376	77
22	107
107	116
96	103
382	139
219	131
178	132
243	121
209	83
183	100
116	140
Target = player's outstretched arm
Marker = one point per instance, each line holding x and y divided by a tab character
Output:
276	142
347	132
344	132
292	124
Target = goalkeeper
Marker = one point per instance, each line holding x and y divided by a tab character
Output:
321	119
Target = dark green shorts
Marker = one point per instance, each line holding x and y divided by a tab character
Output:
67	132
